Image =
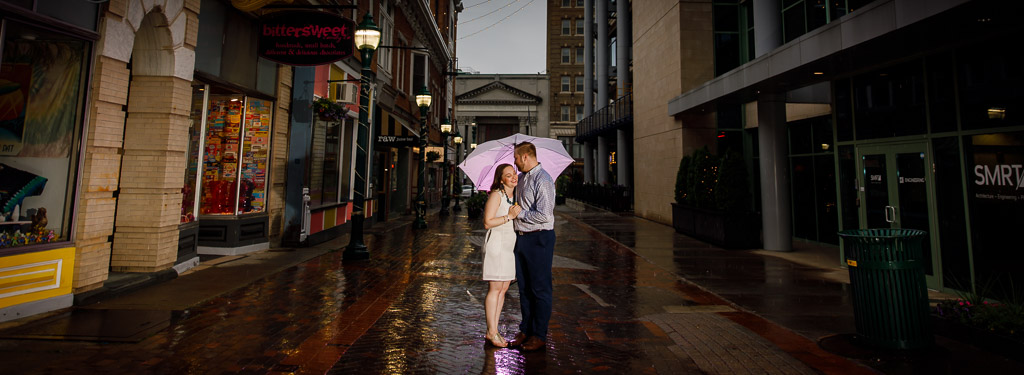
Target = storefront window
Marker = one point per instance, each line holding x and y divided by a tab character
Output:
236	151
995	195
325	161
195	145
41	81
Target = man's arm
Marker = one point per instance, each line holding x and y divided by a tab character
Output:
543	210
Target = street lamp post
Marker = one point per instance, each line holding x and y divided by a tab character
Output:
423	101
457	184
446	131
367	37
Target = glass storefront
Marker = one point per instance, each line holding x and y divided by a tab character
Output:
42	77
229	145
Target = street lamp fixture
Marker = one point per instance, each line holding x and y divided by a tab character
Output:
472	146
367	36
446	132
423	100
457	184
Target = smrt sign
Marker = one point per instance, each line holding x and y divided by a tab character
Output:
305	38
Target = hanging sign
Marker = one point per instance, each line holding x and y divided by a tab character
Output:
305	37
397	141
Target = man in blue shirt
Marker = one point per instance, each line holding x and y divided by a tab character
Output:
535	247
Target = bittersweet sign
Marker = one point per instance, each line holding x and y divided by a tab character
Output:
305	38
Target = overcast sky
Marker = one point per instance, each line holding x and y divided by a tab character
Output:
515	45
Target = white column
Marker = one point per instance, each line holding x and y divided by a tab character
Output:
623	159
767	27
602	160
775	200
623	44
603	55
588	58
588	161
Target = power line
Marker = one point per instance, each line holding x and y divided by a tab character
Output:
489	13
470	6
499	21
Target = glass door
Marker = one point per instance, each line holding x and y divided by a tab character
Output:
896	192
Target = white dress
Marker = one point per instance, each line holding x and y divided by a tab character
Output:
499	247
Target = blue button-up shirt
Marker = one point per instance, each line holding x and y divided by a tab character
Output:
536	194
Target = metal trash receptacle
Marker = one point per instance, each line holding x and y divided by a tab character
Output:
890	297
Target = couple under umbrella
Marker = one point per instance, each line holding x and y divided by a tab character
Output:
518	171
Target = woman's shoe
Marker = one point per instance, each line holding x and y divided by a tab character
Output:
496	340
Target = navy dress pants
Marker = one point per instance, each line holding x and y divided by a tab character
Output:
534	253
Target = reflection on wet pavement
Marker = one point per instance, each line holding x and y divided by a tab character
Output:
415	307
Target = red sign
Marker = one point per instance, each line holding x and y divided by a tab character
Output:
305	38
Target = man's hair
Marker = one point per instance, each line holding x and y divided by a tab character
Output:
526	148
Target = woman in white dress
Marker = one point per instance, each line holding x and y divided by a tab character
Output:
499	259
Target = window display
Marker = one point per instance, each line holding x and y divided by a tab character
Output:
41	78
235	155
195	145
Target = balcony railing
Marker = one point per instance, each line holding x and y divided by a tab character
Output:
613	116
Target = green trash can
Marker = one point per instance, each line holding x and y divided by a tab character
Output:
890	297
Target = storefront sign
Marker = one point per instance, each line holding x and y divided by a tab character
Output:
305	38
396	141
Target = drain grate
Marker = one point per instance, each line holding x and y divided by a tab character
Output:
96	325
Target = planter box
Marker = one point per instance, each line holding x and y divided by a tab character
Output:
1006	346
741	230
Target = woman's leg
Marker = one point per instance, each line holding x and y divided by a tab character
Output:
492	309
501	299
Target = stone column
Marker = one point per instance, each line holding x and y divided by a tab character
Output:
524	125
623	157
623	44
775	207
588	161
603	56
767	27
588	63
149	201
602	160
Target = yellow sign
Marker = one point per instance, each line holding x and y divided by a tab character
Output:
851	263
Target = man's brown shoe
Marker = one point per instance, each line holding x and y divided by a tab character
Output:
533	343
518	340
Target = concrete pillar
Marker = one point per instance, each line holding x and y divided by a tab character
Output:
775	199
588	161
603	56
524	125
623	157
588	60
602	160
149	199
299	136
767	27
624	44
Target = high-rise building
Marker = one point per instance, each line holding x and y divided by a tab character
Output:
565	58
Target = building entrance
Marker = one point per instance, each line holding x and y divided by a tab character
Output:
896	192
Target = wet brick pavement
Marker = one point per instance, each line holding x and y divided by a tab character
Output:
416	307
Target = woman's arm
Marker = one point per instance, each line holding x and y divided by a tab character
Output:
491	218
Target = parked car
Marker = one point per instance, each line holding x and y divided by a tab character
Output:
467	190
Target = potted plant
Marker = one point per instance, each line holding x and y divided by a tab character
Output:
996	325
433	156
475	204
561	188
328	110
712	202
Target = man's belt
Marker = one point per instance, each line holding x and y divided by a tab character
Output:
523	232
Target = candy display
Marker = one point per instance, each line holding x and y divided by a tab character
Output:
235	156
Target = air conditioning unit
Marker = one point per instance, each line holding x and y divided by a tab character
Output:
346	93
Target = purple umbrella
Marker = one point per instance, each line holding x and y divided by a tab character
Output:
480	164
